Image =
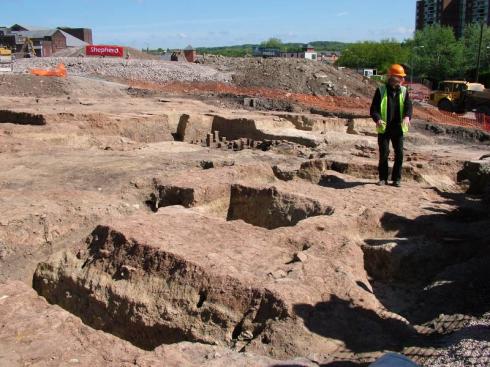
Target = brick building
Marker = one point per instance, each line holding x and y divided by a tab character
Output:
329	56
83	34
46	42
453	13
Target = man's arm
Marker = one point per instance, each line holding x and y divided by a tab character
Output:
408	107
376	107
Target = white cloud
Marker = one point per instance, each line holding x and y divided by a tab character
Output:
287	36
404	30
342	14
395	32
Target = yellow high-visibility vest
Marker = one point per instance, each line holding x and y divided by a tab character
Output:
384	109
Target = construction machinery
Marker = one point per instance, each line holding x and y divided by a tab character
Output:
5	51
27	49
6	60
461	96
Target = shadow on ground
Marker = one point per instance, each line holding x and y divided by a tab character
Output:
450	252
335	182
360	329
332	364
452	262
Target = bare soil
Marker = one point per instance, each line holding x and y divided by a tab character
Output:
294	75
165	229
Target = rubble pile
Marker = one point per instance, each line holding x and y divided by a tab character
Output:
142	70
288	75
294	75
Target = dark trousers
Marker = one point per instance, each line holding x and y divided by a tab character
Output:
384	152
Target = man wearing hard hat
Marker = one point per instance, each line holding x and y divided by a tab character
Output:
391	110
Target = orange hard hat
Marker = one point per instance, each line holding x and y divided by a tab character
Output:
397	70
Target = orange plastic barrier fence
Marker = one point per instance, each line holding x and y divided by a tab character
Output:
481	120
59	71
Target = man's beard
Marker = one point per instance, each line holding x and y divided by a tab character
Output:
395	84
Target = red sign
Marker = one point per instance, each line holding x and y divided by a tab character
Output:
100	50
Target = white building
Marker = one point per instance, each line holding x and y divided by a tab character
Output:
308	53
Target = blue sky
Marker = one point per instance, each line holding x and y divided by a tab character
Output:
177	23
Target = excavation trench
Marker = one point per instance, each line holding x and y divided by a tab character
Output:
150	296
434	266
316	170
234	129
270	208
319	171
169	195
425	245
265	207
22	118
297	129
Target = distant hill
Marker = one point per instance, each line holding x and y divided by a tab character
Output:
230	51
242	50
330	45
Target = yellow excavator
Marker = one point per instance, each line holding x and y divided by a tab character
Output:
461	96
27	49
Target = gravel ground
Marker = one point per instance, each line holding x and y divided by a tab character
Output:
142	70
469	346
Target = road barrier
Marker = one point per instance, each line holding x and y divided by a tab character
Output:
59	71
484	120
480	122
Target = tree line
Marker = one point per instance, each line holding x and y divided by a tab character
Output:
434	53
247	49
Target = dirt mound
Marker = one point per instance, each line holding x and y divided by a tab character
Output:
285	75
294	75
138	54
133	69
328	105
30	85
25	85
